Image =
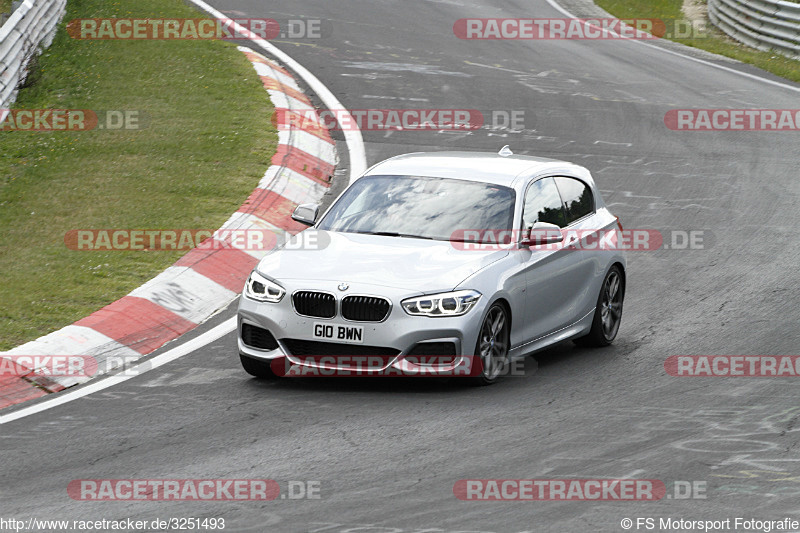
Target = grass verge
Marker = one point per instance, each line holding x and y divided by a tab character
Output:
712	40
207	141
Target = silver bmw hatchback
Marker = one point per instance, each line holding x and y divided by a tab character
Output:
448	263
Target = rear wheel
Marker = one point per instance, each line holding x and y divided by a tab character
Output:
608	312
492	346
256	367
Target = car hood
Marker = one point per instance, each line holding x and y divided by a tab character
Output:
400	262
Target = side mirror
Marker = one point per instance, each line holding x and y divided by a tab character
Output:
306	214
542	233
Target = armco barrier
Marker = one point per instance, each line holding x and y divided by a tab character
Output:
769	25
30	29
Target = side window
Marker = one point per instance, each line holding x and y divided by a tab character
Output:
577	198
543	204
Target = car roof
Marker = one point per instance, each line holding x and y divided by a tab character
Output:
474	166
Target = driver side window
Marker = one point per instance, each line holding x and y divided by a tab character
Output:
543	204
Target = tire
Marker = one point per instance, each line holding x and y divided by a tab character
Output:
492	346
607	312
256	367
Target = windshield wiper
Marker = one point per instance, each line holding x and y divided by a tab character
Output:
395	234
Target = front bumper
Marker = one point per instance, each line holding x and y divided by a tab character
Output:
396	346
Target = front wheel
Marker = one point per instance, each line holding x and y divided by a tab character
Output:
608	312
492	346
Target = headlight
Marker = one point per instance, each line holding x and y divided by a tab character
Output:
262	289
446	304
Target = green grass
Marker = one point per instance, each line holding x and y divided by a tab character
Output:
208	141
713	40
5	6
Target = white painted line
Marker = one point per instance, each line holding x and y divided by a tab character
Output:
157	361
282	100
72	340
186	293
77	340
247	221
352	136
308	142
250	222
557	7
291	185
280	77
310	118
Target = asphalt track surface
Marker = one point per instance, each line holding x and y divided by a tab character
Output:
387	454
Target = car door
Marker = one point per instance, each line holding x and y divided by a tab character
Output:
582	226
554	273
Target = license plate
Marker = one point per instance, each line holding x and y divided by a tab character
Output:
339	332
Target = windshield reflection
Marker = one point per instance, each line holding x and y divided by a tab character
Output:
420	207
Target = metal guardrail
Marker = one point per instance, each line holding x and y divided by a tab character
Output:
24	35
769	25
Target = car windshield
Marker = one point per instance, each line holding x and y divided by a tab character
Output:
421	207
